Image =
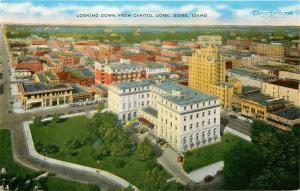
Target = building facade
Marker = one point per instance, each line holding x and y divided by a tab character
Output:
206	40
185	118
274	50
207	73
39	95
117	72
288	90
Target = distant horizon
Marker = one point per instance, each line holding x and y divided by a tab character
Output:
160	26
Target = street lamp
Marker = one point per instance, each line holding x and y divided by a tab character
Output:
98	169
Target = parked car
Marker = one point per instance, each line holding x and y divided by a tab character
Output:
233	116
180	159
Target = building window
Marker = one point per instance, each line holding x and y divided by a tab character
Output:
184	128
171	124
124	117
197	115
191	138
203	134
208	122
191	116
191	126
208	133
203	114
184	140
208	112
215	111
215	120
202	123
184	118
191	106
197	124
214	131
197	137
184	108
123	106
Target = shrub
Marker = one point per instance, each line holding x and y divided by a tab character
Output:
73	144
51	149
208	178
73	153
39	147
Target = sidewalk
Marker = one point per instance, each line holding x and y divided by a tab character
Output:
199	174
237	133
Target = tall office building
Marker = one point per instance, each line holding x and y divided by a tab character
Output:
207	73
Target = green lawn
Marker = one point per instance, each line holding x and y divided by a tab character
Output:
57	184
53	183
59	133
210	154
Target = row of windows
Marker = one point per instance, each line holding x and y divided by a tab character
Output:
135	89
202	124
191	126
139	96
135	104
197	115
203	134
190	116
194	106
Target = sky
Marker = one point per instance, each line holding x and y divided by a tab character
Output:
225	12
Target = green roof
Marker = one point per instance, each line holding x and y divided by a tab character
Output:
189	96
151	111
132	84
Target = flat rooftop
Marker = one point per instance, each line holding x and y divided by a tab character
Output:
262	99
250	73
117	66
248	89
289	83
188	95
132	84
290	113
151	111
40	87
78	89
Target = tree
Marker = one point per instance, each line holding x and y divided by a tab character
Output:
236	173
145	150
155	180
55	118
37	121
100	106
271	162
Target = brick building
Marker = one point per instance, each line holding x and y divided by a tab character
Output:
116	72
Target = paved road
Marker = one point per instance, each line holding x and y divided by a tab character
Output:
13	122
168	160
236	124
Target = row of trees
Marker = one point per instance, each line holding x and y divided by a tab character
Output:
270	163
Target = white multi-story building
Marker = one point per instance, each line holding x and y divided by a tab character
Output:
125	98
206	40
185	118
